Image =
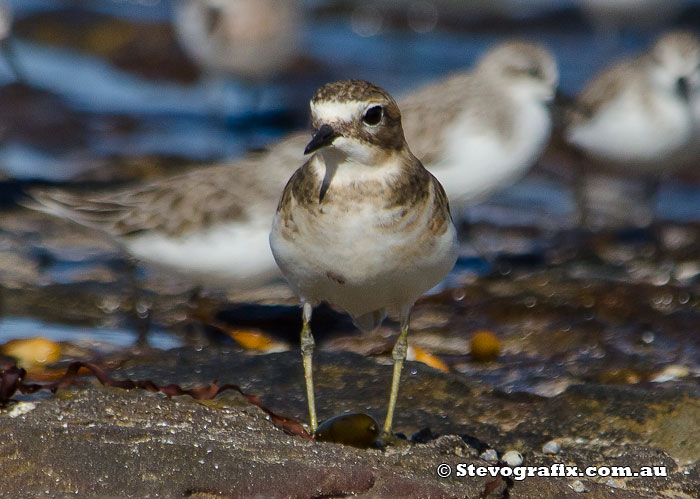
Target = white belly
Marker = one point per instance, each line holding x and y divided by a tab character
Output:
345	259
228	255
628	132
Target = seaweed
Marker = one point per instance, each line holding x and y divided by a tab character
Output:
12	381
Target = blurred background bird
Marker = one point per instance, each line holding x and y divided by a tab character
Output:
249	39
480	131
636	116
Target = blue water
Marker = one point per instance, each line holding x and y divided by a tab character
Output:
98	338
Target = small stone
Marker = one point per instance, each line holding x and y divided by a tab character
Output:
671	373
489	455
513	458
577	486
685	271
21	408
354	429
551	447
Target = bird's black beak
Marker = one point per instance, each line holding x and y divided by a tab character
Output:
322	138
683	88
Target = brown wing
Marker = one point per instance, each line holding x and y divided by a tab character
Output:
183	203
173	206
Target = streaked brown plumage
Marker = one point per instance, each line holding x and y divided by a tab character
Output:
361	225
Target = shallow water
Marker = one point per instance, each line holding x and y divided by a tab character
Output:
100	338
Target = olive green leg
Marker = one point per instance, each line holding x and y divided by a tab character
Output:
399	355
307	350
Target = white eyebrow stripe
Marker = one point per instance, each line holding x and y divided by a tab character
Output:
336	111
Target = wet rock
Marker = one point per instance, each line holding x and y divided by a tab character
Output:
143	444
551	447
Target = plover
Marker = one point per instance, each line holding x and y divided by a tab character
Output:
362	225
635	117
478	131
251	39
481	131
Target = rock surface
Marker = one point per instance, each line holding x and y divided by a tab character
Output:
103	442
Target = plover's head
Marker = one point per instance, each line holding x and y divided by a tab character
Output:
675	62
524	69
357	119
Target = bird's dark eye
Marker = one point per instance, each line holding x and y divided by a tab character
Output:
212	16
534	72
373	115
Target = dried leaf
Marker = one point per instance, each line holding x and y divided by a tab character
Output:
32	352
429	359
252	340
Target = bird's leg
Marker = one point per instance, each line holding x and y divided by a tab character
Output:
307	350
466	235
465	227
399	355
582	213
140	309
652	186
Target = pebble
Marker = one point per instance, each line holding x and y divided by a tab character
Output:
551	447
513	458
489	455
354	429
21	408
671	373
577	486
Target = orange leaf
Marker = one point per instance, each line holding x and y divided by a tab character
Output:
430	360
251	339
